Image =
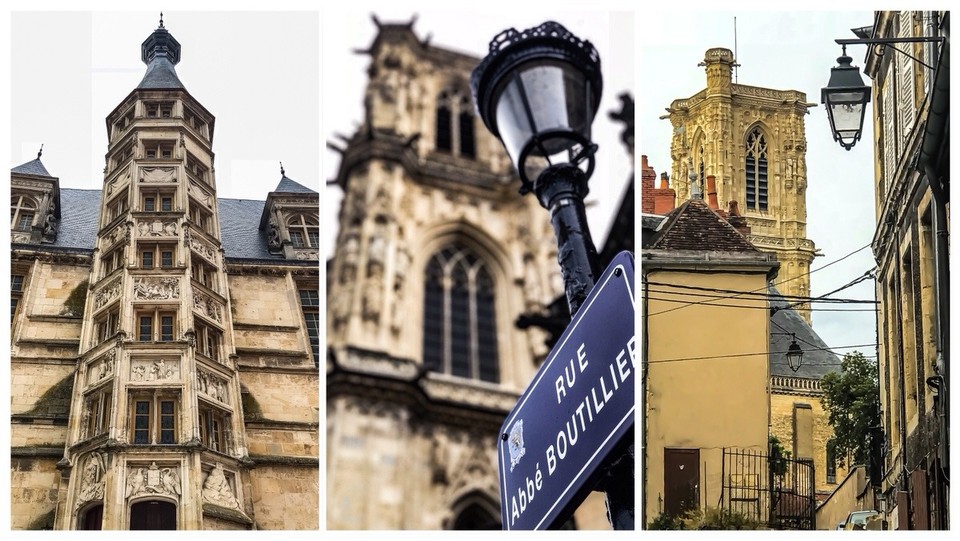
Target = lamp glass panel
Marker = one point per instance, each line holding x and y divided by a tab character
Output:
558	102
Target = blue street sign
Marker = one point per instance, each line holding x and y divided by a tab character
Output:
575	411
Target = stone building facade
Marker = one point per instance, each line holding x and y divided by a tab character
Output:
752	140
164	341
911	143
435	258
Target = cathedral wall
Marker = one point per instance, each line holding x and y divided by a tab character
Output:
44	312
285	497
291	397
269	301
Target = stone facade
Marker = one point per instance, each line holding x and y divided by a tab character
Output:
714	132
164	374
412	425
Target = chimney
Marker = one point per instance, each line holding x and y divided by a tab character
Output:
712	192
664	181
664	198
735	219
648	178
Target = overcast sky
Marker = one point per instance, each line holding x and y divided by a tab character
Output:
470	32
788	51
258	73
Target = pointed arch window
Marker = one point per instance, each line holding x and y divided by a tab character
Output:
756	170
455	125
459	319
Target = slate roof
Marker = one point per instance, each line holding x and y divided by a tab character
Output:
33	167
239	222
695	226
289	185
239	233
816	362
160	75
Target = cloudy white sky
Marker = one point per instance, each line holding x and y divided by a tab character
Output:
470	32
258	73
783	50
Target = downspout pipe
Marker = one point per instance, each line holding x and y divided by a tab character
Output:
934	162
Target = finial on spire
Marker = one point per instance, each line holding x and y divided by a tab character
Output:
41	151
282	172
161	19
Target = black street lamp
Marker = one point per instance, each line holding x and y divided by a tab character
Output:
846	97
794	353
538	90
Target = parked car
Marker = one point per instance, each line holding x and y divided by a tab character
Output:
857	520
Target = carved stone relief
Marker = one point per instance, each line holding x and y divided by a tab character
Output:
217	489
91	480
107	294
119	181
201	246
156	228
156	288
102	368
200	195
207	306
308	255
154	370
373	294
20	237
158	174
153	480
212	385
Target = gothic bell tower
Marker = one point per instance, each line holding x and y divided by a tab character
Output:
752	141
155	437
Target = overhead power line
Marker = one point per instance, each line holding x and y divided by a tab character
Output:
776	284
733	355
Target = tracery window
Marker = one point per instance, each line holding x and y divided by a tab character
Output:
459	319
455	124
756	171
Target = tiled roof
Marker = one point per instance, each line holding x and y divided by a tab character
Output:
291	186
695	226
816	360
33	167
79	218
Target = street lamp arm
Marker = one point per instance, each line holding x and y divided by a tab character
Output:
890	42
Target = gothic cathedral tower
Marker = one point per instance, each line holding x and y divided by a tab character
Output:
436	257
751	140
155	385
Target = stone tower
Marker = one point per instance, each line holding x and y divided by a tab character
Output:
158	422
752	140
436	257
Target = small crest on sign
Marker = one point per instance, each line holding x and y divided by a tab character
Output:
515	444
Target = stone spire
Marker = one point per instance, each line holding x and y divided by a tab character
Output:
160	52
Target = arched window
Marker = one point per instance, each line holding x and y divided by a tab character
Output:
22	211
459	320
756	169
304	231
475	517
153	515
455	125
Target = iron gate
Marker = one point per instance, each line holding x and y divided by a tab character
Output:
779	493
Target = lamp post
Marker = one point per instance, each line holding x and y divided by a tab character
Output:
538	90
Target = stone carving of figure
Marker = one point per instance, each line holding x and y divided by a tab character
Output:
160	370
274	234
341	306
202	381
170	481
351	252
136	483
218	388
378	247
50	227
92	481
138	372
85	424
216	489
373	296
170	229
